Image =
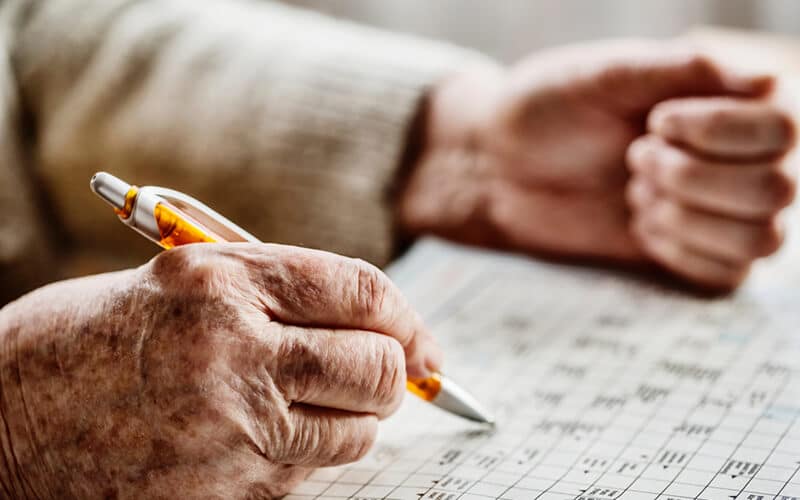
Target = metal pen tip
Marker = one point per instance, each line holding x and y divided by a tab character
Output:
457	400
110	188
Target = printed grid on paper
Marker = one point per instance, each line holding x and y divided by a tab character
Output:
604	387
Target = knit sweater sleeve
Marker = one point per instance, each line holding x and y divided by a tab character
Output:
289	122
25	244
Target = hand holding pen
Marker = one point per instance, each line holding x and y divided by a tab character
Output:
170	219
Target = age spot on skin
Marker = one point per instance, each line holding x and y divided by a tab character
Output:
300	367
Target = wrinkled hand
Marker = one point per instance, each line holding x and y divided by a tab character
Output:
627	151
215	371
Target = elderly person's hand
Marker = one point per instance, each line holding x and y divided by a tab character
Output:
628	151
214	371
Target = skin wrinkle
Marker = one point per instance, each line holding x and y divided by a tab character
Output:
382	387
7	449
267	303
253	396
301	369
302	292
4	484
13	334
141	364
165	379
316	279
29	421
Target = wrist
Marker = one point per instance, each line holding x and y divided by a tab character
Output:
444	145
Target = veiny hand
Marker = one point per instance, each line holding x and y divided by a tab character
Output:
626	151
215	371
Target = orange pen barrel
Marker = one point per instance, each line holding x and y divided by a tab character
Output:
177	229
130	198
425	388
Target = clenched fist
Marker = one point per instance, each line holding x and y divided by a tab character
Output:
630	150
214	371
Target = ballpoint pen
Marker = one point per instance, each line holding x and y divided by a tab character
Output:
170	218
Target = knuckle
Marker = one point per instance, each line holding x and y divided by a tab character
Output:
294	283
634	154
172	262
196	269
639	193
659	111
701	64
632	193
300	367
299	264
663	120
343	441
641	154
391	381
702	68
371	289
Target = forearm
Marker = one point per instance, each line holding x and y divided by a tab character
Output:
290	123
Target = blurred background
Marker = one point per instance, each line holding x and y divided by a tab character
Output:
509	29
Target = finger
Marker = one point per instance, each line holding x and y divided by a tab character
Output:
697	268
751	191
310	287
718	237
347	370
652	71
318	437
724	126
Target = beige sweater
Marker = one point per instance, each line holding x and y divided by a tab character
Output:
290	123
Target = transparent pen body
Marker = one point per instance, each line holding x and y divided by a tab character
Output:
171	219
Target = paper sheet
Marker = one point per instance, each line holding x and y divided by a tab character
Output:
605	386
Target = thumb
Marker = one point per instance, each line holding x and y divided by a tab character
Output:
642	74
743	82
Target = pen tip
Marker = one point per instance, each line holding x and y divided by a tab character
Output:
458	401
110	188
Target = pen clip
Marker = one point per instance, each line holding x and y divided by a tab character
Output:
205	215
